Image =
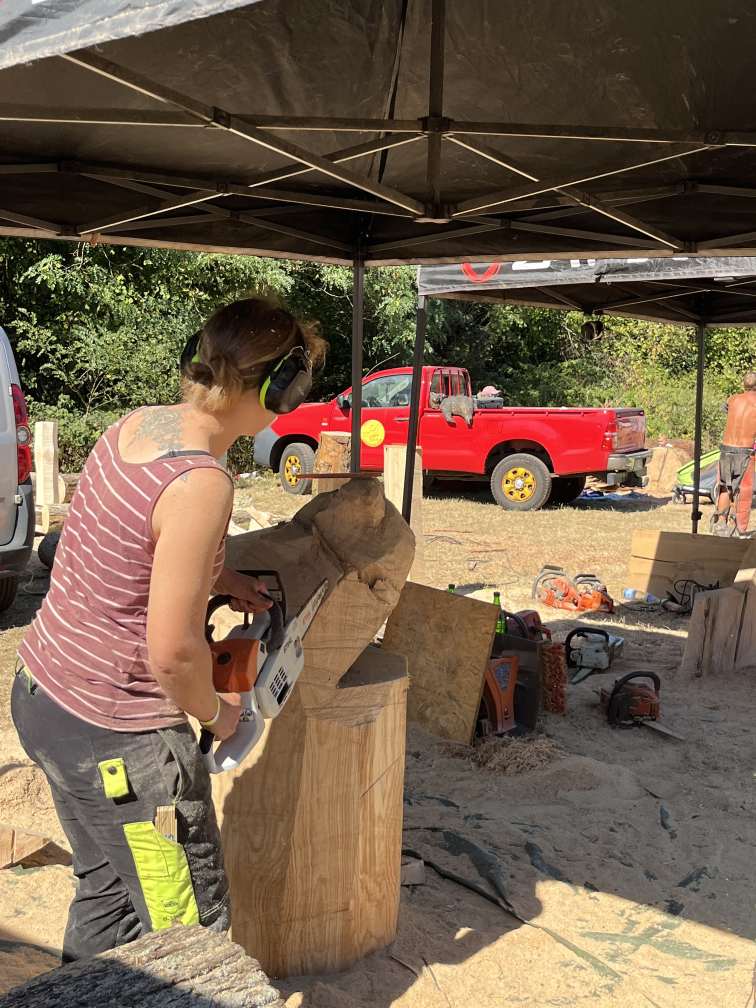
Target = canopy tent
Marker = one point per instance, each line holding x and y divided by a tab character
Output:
380	131
696	291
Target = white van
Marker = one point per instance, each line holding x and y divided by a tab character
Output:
16	496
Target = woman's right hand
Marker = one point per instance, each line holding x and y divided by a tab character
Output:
228	716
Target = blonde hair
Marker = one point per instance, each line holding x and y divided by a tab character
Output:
236	348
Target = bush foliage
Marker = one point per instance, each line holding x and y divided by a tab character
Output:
98	330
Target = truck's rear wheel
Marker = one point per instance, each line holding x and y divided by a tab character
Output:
566	489
521	482
8	589
296	459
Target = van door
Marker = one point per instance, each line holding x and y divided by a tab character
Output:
8	445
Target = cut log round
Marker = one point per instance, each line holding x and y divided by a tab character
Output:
316	809
183	967
333	456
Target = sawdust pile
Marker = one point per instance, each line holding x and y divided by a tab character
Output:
25	800
511	755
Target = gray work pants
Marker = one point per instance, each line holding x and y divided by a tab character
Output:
107	786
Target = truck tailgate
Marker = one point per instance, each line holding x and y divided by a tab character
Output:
631	430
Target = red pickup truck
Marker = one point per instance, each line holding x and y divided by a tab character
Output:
530	456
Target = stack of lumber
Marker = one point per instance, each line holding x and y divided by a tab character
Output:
184	967
722	631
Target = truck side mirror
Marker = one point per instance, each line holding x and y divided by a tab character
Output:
344	402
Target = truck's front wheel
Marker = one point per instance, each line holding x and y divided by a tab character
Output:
521	482
297	459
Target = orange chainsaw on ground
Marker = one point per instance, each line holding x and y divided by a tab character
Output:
584	593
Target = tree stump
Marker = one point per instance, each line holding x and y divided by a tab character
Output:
333	456
311	822
183	967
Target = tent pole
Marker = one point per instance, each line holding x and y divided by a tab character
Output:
695	514
421	324
358	297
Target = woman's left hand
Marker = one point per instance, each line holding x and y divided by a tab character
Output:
248	594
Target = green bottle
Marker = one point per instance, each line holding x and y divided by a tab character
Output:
501	626
451	589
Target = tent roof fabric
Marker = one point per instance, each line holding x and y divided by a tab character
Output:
408	130
685	291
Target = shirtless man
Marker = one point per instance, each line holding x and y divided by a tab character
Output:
736	462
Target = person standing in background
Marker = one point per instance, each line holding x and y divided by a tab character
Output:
736	464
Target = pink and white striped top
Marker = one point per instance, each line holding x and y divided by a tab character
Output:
87	646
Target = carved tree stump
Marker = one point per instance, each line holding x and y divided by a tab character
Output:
311	823
333	456
183	967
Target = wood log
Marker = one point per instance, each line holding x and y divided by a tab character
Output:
333	456
311	822
61	487
47	489
658	559
714	633
29	850
394	457
50	517
184	967
70	482
745	655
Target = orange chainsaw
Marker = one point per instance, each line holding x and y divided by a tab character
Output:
261	660
584	593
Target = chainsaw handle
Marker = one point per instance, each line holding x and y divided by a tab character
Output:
581	632
273	635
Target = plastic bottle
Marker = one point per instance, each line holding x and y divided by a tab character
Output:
451	589
635	595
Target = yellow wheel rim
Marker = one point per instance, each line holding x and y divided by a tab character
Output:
519	484
292	469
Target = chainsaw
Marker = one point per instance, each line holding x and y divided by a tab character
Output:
583	593
629	704
589	650
261	660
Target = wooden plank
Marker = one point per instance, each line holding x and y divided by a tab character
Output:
746	575
658	559
47	489
165	821
394	457
333	456
29	850
316	809
745	655
447	642
715	630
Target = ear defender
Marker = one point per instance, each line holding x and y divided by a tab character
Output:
190	353
289	383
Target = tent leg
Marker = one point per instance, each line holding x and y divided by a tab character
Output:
421	324
695	514
358	299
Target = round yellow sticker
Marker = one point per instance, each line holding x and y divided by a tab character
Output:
372	433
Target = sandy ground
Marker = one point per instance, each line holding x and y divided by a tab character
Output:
616	871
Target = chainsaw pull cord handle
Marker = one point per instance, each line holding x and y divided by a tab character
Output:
611	707
582	632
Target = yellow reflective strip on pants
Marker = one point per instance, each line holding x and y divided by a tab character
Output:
163	875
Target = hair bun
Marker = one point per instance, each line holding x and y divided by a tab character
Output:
198	372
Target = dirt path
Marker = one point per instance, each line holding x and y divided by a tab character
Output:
629	856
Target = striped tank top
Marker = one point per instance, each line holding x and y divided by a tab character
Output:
87	646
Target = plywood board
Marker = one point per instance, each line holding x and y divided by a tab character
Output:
658	559
447	641
393	484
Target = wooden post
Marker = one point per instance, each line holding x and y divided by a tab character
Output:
333	456
47	481
394	457
311	822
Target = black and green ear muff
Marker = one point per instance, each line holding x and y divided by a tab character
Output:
190	353
289	382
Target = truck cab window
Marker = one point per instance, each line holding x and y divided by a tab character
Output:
391	391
